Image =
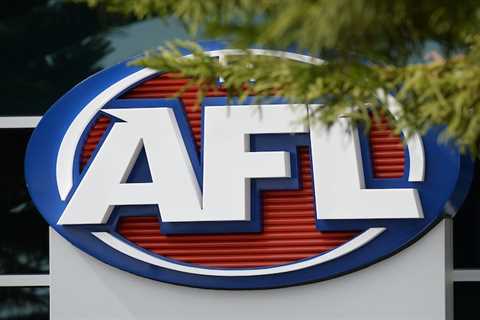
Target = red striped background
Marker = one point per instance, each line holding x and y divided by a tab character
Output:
289	232
388	152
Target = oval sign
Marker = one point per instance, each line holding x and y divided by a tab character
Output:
231	196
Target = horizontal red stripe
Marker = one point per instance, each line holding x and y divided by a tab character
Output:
243	264
282	244
243	258
385	140
225	253
389	161
389	175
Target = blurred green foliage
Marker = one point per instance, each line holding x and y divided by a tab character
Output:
369	46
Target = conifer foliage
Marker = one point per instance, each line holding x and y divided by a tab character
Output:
425	53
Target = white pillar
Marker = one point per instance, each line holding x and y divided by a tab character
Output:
415	284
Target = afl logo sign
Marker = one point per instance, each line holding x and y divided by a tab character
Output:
226	195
